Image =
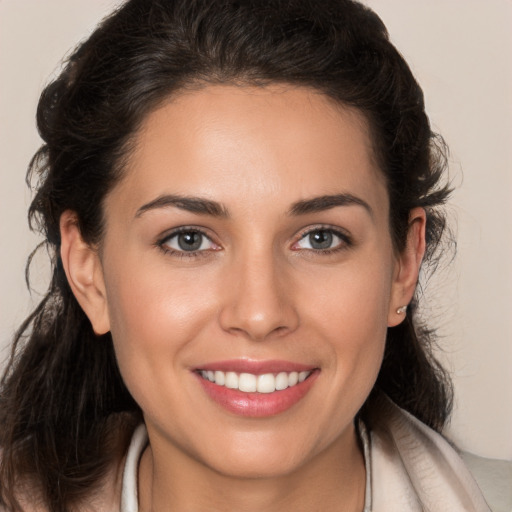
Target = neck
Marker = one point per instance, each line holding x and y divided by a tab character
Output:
334	478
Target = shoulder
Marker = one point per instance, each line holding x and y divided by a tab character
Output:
91	492
106	496
494	477
414	466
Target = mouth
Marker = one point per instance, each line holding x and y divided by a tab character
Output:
251	383
256	390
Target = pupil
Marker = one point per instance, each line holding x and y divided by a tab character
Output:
320	240
190	241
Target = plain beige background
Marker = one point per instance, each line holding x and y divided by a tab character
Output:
461	53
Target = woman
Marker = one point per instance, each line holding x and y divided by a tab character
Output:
238	197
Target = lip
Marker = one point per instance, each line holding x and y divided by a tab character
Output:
255	367
256	405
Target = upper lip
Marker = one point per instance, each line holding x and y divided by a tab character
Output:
255	367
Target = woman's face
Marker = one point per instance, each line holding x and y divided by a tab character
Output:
249	243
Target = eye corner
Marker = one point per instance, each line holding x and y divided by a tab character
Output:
326	237
194	242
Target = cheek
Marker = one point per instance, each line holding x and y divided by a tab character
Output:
351	312
144	298
353	297
154	318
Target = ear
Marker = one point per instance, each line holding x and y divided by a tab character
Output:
84	273
408	267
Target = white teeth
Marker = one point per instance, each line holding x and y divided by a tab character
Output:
249	383
293	378
231	380
266	383
220	378
281	381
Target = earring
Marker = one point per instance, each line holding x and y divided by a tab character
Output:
401	310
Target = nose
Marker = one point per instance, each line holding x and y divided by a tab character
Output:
258	300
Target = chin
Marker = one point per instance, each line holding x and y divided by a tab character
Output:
257	467
260	456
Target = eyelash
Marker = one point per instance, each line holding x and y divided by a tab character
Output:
345	242
162	243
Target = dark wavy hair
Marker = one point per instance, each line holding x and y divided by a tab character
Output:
65	413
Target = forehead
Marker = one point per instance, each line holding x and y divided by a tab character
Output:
258	143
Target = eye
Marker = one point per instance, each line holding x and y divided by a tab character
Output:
322	239
188	241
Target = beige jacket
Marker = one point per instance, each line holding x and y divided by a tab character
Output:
413	469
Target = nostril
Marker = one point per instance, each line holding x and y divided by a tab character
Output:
258	328
259	304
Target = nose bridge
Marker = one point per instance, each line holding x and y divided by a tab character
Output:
259	296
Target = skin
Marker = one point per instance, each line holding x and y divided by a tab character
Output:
256	290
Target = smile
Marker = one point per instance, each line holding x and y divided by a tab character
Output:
251	383
256	389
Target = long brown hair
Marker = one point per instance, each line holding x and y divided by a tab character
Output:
62	399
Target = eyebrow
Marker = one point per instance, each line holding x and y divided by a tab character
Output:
213	208
190	204
322	203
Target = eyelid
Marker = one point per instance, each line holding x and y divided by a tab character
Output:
346	239
163	240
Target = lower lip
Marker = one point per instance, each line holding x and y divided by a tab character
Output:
257	405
